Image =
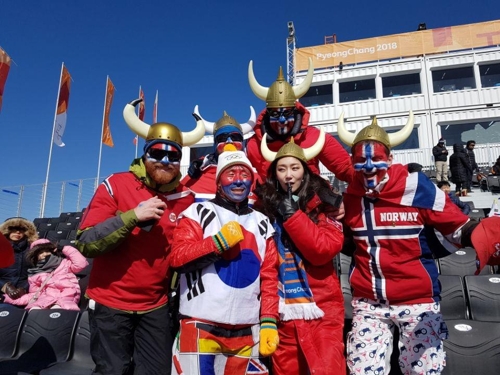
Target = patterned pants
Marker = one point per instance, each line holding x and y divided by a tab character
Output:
369	344
203	348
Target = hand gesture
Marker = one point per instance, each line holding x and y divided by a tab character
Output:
153	208
287	207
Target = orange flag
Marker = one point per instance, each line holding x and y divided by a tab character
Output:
106	131
62	107
4	71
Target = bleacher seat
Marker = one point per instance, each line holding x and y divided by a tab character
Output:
80	362
72	234
453	302
74	219
493	184
45	339
42	234
461	263
11	320
66	225
40	220
57	220
45	226
473	347
346	291
477	213
56	235
483	293
66	242
345	263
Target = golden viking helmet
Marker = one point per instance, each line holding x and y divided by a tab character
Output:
375	133
280	94
226	120
292	149
212	127
161	130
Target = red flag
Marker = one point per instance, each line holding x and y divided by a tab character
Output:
141	104
4	72
155	109
62	107
106	131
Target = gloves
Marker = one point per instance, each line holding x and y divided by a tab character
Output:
13	292
194	168
269	339
229	235
287	207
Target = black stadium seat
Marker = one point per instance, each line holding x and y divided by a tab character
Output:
40	220
472	347
45	226
45	339
11	320
453	302
56	235
483	293
461	263
493	184
477	214
80	362
67	225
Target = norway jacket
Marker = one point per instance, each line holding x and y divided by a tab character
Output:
17	273
439	155
61	289
459	166
333	156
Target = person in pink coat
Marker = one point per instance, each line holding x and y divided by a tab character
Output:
52	280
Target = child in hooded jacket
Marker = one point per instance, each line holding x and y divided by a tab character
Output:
52	280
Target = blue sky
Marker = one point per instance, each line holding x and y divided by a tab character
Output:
192	52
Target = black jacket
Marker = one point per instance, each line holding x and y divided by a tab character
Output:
438	153
459	165
471	158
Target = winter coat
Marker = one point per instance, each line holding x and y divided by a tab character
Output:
471	158
459	165
17	273
6	252
62	288
437	152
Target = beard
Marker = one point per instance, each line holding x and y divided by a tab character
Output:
160	173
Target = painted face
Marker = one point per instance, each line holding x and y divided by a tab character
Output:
236	182
281	120
163	163
289	170
370	161
234	137
164	154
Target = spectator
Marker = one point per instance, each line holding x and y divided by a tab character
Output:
228	263
128	228
441	160
460	169
6	252
445	186
496	167
471	157
52	280
302	208
14	278
394	277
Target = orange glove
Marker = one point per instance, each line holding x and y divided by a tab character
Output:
229	235
269	339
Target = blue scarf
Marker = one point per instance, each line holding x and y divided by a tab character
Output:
296	298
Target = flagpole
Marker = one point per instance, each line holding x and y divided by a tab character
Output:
102	132
44	192
136	138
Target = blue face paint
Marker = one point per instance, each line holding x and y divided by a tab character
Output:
371	160
281	120
236	182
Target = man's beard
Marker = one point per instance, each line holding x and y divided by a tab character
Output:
160	174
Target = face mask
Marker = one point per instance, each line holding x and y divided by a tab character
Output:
281	120
370	161
234	138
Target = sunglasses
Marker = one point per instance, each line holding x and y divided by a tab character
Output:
159	155
235	137
279	113
17	229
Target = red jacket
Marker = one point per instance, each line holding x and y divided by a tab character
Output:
333	156
320	340
6	252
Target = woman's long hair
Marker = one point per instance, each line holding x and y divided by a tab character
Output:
270	193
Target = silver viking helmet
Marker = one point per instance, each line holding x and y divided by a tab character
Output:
292	149
246	128
162	130
374	132
280	93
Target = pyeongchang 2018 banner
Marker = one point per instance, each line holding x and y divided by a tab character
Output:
415	43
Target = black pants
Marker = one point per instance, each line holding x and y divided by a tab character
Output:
117	336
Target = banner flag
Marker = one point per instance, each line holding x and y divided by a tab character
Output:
106	131
142	105
62	107
4	72
155	109
494	209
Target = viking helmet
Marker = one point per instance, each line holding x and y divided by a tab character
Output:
292	149
374	132
226	120
162	130
280	94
